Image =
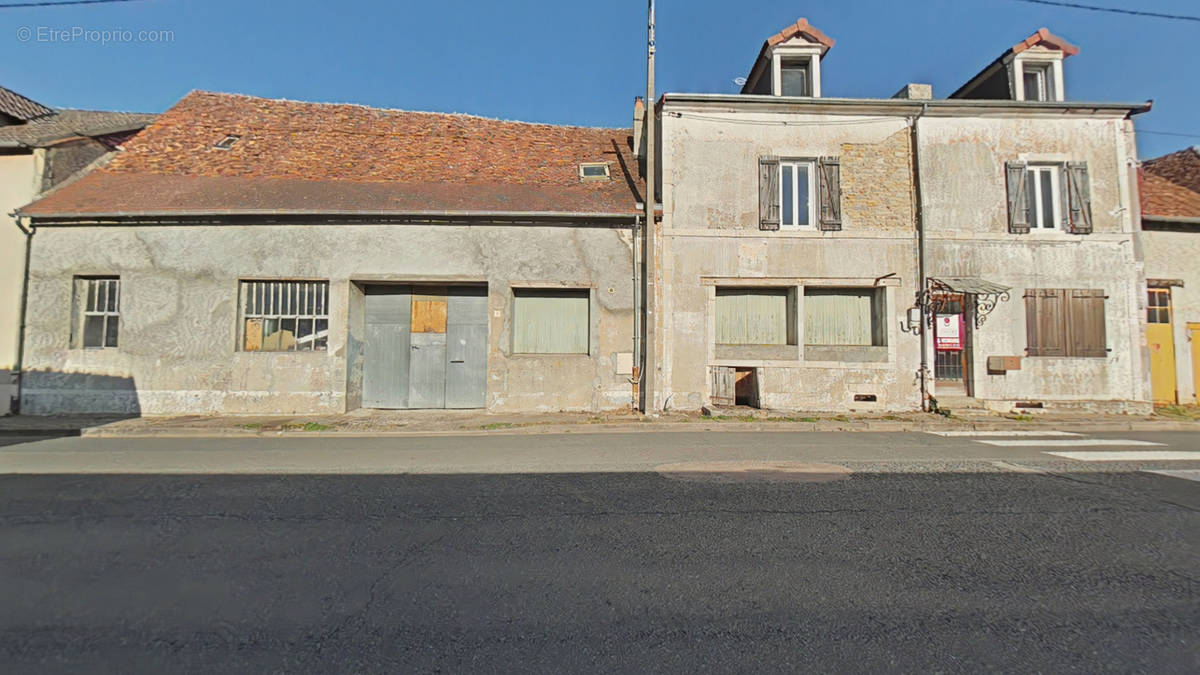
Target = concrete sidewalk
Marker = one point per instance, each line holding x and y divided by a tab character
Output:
385	423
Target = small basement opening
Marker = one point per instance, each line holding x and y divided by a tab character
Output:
745	387
866	397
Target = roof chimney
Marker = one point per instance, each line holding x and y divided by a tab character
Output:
915	92
639	127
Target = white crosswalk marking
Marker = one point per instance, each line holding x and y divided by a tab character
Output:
1000	434
1186	474
1126	456
1052	443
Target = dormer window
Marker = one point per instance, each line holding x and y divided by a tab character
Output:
1038	81
795	77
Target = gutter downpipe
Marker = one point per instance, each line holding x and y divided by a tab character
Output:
19	366
636	376
923	280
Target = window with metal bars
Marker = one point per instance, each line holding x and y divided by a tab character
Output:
284	316
97	306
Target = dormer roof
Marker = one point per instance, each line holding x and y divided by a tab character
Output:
993	80
801	29
1044	38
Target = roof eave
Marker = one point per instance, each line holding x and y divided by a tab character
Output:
217	213
869	104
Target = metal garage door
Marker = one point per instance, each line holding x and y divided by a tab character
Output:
426	347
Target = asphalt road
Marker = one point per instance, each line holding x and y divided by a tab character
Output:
1062	571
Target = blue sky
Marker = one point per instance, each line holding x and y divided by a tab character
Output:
576	62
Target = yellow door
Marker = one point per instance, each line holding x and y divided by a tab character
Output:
1194	331
1161	341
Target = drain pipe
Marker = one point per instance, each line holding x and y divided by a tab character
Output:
19	366
922	281
636	378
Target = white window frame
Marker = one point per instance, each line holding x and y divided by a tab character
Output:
811	166
1050	66
92	287
278	296
1036	198
796	53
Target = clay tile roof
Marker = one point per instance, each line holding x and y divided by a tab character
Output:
1170	185
24	109
60	124
801	28
1044	37
323	158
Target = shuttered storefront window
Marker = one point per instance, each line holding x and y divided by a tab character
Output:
551	321
1065	322
844	317
754	316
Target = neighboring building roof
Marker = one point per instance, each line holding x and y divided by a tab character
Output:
68	123
19	107
293	157
1170	186
1181	167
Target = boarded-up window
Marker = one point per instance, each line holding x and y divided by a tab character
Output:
551	321
97	319
755	316
429	309
285	316
1065	322
844	317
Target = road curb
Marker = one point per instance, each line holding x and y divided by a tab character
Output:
667	427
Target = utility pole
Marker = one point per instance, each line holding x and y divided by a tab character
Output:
651	228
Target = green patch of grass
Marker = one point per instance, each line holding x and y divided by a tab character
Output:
1021	418
252	426
839	418
307	426
492	426
1179	412
892	418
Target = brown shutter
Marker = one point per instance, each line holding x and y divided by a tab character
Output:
1018	214
1079	198
831	193
1085	327
1045	322
768	193
724	385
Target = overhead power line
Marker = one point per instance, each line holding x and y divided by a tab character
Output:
1113	10
1167	133
59	3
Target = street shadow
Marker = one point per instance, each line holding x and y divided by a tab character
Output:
59	404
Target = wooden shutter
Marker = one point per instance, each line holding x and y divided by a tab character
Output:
1085	323
768	193
1045	322
1018	213
724	385
1079	198
831	193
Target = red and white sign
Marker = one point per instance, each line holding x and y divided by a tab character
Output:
948	333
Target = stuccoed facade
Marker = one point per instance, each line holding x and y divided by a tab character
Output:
179	349
966	217
711	238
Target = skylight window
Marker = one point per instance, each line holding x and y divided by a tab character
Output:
594	171
227	142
